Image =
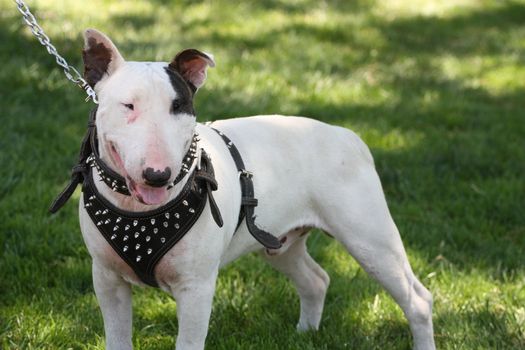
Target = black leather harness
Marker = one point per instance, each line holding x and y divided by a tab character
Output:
142	238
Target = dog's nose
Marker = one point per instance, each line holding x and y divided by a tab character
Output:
156	178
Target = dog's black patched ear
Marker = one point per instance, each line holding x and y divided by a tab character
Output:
101	57
191	64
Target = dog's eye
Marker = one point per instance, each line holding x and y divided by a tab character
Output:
175	105
129	106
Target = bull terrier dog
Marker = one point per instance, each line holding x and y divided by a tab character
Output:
306	174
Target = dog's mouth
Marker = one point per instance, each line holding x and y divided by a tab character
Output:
146	194
141	192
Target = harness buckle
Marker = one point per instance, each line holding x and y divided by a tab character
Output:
245	173
79	168
199	158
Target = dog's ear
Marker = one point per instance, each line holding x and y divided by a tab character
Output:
191	64
101	57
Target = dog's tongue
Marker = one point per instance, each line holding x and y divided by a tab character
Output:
152	195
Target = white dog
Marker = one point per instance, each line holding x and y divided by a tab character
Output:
306	174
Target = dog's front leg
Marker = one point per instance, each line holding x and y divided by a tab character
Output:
194	302
114	299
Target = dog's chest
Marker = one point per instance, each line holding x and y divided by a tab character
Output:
141	239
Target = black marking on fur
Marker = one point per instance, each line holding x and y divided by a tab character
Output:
183	103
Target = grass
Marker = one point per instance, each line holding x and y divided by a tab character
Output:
435	88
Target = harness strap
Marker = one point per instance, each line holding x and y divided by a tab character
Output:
248	200
80	170
206	174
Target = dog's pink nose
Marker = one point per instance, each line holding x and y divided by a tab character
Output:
156	178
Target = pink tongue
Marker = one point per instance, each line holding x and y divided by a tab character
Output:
152	195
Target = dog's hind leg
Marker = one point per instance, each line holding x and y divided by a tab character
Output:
114	298
356	214
310	280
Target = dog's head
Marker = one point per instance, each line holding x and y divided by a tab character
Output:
145	118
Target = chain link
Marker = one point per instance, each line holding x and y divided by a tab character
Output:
70	72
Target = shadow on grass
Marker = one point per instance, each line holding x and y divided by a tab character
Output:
134	21
288	7
482	32
42	123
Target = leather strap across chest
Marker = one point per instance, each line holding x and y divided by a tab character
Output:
248	200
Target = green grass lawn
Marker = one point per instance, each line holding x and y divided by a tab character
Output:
436	89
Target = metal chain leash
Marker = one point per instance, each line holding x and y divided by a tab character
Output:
71	73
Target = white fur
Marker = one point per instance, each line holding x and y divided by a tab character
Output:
306	174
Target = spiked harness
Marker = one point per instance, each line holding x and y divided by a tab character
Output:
141	239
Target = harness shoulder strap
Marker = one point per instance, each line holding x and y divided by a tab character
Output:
206	174
248	200
80	170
